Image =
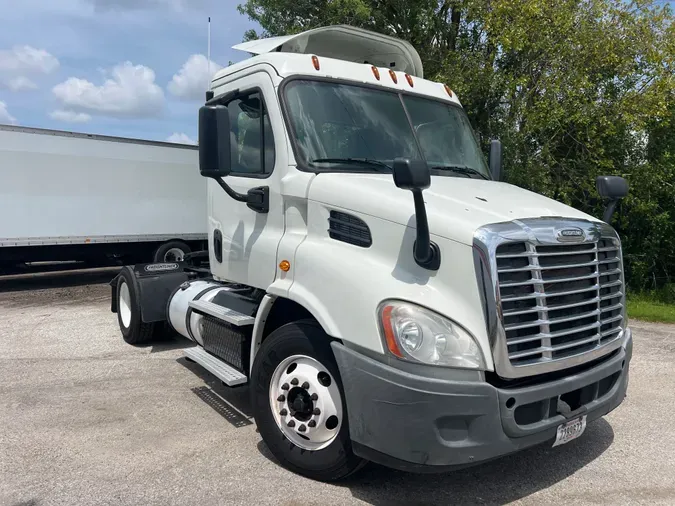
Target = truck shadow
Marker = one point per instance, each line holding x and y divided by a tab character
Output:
498	482
233	404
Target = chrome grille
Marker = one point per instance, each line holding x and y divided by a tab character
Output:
552	291
559	300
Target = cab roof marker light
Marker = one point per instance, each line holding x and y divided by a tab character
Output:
315	62
376	72
448	90
409	78
393	76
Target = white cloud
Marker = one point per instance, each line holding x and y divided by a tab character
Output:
18	63
180	138
20	83
191	81
70	116
130	92
5	116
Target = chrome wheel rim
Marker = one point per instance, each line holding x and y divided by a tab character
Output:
305	402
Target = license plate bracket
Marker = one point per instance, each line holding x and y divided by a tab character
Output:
570	430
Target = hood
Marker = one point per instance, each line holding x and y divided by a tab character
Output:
456	206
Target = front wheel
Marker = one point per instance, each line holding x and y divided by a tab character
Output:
298	403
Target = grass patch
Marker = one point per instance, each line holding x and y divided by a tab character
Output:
647	307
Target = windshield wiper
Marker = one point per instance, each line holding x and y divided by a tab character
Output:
355	161
460	169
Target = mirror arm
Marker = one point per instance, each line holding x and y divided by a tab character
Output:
609	210
239	197
426	253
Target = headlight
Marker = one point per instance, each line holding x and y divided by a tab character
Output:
420	335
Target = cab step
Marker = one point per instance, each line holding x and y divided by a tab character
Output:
225	373
222	313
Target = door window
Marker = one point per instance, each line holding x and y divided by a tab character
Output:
251	139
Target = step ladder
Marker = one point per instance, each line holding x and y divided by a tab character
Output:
222	313
225	373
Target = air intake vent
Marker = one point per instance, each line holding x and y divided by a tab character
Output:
347	228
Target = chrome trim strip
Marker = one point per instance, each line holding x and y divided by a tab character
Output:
541	232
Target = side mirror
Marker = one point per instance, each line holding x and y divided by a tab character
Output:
214	141
613	188
496	159
415	176
411	175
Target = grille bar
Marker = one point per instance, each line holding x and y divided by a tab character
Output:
559	300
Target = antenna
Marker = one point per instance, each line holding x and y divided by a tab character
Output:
208	57
209	93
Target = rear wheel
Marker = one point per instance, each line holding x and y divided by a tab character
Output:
172	251
134	330
298	403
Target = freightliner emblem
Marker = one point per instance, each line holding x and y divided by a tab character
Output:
570	235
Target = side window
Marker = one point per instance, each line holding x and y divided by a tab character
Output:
251	140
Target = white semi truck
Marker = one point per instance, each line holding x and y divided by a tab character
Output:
384	295
96	198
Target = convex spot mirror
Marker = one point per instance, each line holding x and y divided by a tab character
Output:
612	187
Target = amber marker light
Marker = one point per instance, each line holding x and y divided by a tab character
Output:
315	62
393	76
285	265
448	90
389	332
376	72
408	78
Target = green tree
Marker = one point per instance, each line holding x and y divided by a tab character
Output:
574	88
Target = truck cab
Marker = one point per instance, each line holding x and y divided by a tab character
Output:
384	295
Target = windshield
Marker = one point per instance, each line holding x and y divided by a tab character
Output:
353	128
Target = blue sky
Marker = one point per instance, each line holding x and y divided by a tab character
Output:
133	68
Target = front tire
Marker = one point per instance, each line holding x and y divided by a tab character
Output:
134	330
298	403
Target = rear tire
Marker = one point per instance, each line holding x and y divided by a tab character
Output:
134	330
172	251
306	340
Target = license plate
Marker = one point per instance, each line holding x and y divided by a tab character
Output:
570	430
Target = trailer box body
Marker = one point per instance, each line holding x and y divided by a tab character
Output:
78	190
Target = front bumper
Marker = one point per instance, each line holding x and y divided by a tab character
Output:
422	424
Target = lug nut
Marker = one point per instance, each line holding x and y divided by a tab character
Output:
294	381
285	386
281	398
302	428
316	411
305	385
314	397
283	412
291	423
311	423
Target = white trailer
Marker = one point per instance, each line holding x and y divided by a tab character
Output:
73	196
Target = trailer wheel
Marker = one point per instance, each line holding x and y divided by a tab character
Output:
172	251
134	330
298	403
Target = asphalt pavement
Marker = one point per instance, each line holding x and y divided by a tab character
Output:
88	419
